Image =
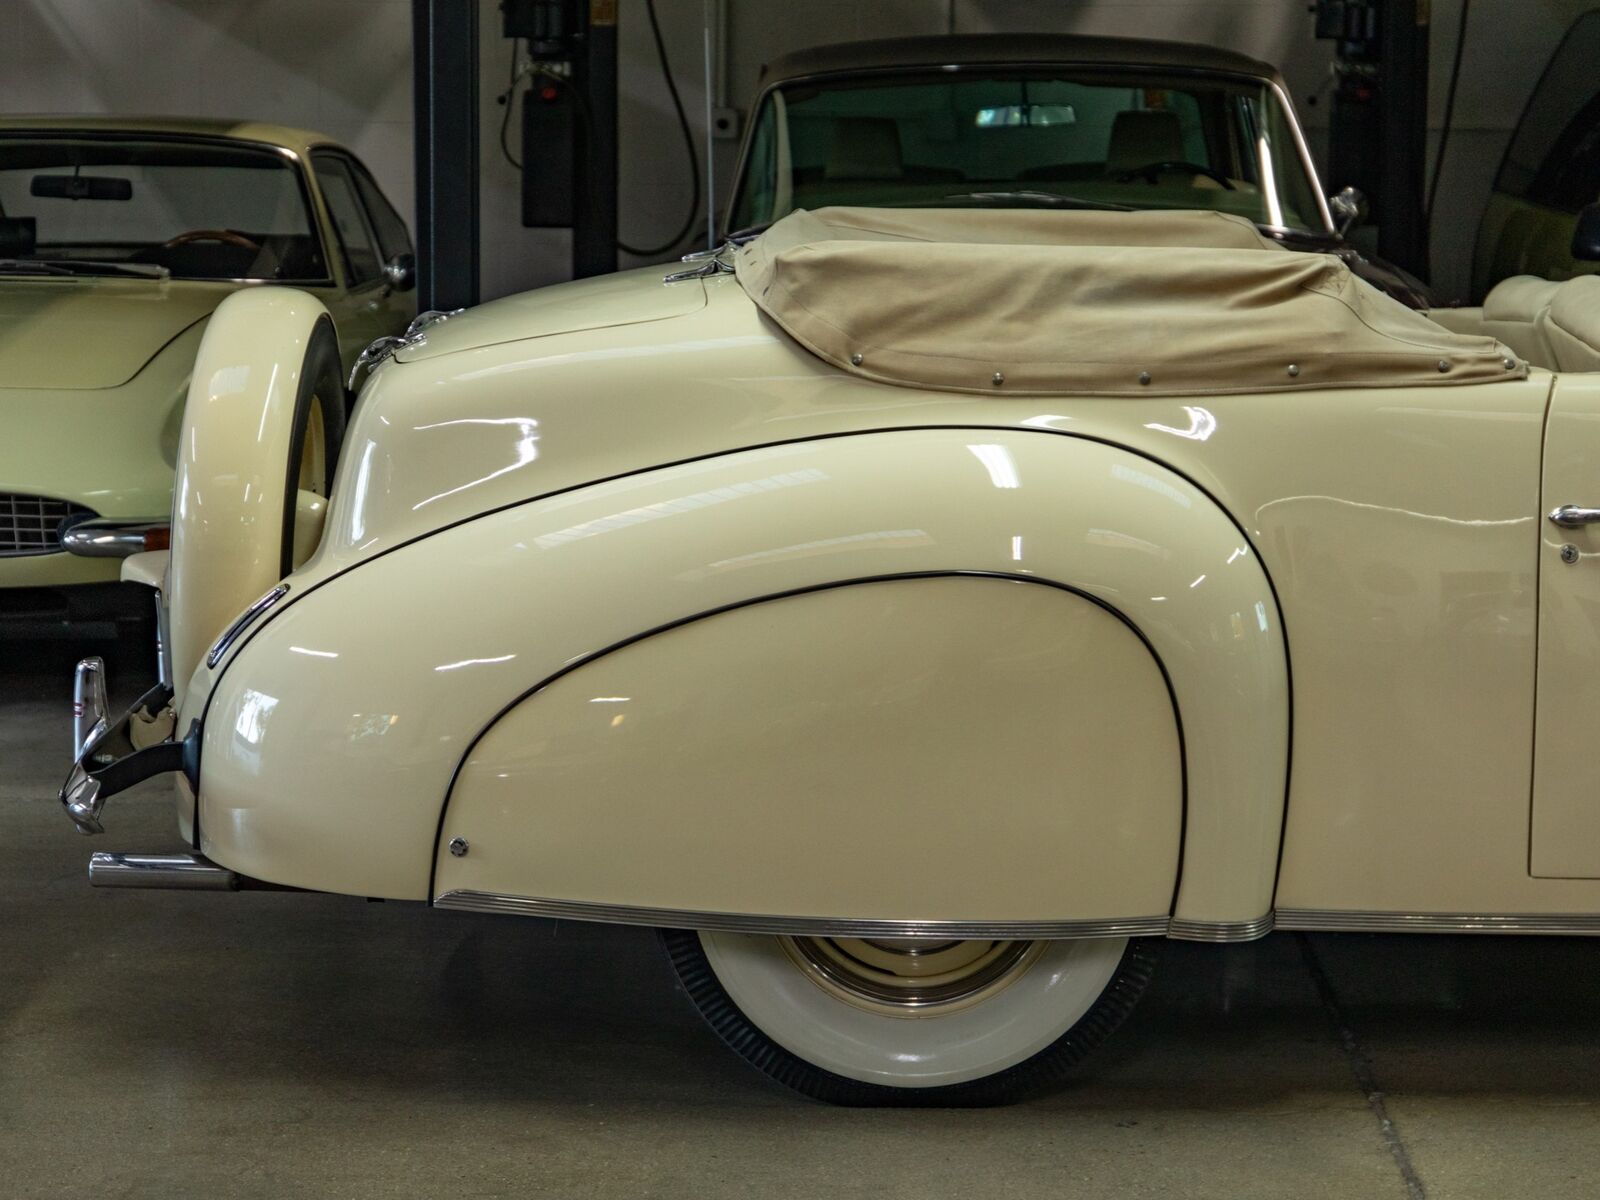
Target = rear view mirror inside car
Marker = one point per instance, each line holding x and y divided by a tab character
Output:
82	187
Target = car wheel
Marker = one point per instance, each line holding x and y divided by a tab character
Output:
911	1021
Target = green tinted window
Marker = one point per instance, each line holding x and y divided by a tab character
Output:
1135	139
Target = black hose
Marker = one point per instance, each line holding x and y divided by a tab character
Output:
1449	110
507	99
688	142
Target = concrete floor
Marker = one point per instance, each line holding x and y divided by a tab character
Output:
279	1045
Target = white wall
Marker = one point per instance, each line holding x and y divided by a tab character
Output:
343	66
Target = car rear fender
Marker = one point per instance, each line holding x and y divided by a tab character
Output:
336	733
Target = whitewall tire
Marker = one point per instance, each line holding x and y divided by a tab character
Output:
855	1021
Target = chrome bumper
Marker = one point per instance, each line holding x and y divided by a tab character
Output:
104	537
113	755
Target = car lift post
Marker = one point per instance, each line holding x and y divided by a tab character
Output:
445	79
1378	129
569	123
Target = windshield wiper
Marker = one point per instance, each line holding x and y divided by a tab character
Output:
1029	199
80	266
24	266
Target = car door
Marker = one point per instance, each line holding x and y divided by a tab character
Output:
369	306
1565	829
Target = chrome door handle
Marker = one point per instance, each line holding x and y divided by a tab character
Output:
1570	516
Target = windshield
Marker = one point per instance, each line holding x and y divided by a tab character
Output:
1138	140
201	210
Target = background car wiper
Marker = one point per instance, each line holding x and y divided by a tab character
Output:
25	266
85	266
1030	199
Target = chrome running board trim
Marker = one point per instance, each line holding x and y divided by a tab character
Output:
677	918
1336	920
1220	931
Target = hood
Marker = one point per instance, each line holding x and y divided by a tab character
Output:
92	333
604	302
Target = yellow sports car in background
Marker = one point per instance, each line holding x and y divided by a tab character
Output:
118	238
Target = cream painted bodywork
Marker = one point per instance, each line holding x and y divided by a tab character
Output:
514	505
94	370
110	449
1566	776
232	483
556	582
923	749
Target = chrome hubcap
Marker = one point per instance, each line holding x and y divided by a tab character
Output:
910	977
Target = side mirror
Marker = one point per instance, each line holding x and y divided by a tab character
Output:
1349	207
401	272
1586	234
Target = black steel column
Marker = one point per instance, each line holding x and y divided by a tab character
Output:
1378	135
1403	227
444	68
594	232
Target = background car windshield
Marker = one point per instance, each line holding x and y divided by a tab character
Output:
1140	141
134	201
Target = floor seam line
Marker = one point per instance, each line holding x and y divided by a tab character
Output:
1361	1068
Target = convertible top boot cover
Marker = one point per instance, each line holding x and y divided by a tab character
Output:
1045	302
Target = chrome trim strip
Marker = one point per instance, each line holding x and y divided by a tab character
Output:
467	900
1220	931
1306	161
243	622
183	872
163	642
1337	920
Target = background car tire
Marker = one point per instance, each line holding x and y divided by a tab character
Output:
795	1028
321	404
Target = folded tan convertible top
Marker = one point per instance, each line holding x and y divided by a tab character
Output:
1057	302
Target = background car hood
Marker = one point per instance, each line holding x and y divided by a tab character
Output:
92	333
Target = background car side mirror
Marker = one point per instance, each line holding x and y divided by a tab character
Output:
401	272
1586	234
1349	207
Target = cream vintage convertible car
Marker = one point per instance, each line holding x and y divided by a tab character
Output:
919	615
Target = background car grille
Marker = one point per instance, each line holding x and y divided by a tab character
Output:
32	524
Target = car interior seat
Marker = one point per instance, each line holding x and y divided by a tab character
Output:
1513	313
1140	138
865	148
1571	324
